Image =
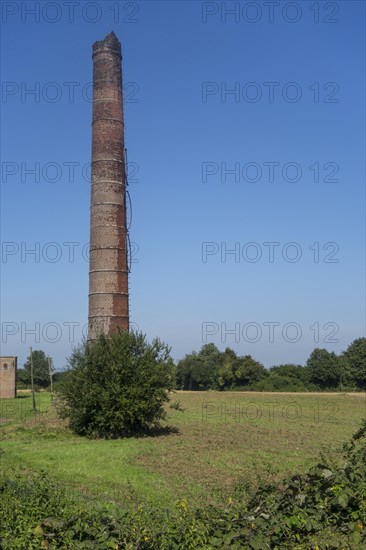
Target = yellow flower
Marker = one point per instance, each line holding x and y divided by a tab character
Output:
359	525
183	505
230	500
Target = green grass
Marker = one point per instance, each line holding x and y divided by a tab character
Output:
223	438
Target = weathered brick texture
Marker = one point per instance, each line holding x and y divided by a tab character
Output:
8	374
108	273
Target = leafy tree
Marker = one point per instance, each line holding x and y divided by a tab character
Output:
184	374
289	370
212	369
355	356
324	369
23	377
206	369
40	370
288	377
116	385
198	371
225	373
248	371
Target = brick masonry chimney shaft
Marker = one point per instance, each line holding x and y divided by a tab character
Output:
108	268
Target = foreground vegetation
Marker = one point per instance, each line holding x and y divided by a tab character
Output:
201	470
324	508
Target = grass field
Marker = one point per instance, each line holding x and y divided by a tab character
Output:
222	439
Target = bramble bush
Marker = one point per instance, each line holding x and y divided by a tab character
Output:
116	386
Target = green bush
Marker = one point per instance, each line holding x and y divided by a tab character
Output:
116	386
22	386
37	388
323	508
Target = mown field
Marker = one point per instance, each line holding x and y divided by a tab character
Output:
221	440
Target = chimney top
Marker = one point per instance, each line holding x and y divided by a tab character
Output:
110	42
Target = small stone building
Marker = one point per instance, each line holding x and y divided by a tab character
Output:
8	377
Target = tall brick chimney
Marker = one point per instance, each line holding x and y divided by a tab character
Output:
108	269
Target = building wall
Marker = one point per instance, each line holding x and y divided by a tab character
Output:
8	374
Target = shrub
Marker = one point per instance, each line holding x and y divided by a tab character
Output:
322	508
116	385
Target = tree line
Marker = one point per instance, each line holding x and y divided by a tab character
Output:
211	369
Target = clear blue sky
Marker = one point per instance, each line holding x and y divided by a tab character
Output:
292	131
